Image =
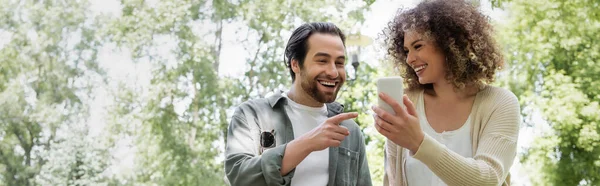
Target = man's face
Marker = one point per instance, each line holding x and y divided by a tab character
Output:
323	73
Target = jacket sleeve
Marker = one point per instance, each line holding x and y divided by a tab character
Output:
243	164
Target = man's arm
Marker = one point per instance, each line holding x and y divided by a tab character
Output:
328	134
243	165
295	152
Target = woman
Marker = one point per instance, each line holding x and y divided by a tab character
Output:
456	128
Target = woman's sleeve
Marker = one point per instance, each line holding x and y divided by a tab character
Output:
495	153
390	153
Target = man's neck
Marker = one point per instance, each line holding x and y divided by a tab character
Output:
298	95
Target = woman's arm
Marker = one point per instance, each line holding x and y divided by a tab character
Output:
495	153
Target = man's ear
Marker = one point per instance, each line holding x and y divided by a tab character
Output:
295	66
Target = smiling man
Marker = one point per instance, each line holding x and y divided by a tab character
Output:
300	137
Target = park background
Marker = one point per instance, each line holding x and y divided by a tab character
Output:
140	92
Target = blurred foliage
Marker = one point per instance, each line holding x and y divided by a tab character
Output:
48	68
553	67
170	129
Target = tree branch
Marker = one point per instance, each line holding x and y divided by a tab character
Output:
28	150
217	49
17	133
252	64
10	170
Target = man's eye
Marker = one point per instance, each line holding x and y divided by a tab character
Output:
418	46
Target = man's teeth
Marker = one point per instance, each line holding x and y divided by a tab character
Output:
420	68
327	83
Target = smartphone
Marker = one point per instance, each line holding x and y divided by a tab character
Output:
393	87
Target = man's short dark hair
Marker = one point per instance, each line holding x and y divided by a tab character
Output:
297	46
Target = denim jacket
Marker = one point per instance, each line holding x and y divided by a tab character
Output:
246	165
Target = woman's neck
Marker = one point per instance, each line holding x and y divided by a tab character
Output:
446	92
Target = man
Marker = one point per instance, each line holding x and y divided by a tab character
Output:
300	137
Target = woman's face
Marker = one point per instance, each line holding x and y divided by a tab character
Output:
425	57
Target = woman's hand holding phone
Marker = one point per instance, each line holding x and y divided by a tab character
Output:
395	116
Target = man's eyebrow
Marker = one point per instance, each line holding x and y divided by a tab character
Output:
322	54
318	54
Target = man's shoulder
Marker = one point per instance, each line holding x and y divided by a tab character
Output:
252	106
257	102
338	108
354	141
351	125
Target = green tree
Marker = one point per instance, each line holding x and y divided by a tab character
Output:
47	64
174	147
75	158
554	63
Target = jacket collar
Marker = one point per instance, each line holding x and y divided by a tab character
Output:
333	108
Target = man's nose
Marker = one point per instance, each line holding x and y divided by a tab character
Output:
332	71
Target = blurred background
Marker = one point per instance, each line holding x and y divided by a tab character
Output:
139	92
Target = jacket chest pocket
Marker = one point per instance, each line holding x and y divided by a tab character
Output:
347	172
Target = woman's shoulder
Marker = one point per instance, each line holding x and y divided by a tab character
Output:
493	95
500	110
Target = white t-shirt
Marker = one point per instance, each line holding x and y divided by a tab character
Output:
458	141
314	169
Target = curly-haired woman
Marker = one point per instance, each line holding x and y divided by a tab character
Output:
456	129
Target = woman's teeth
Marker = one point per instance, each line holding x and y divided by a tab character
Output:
419	68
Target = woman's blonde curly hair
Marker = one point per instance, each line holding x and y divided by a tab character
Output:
459	30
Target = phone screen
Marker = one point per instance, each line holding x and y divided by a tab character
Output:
393	87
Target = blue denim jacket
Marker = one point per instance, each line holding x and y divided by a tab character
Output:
246	165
